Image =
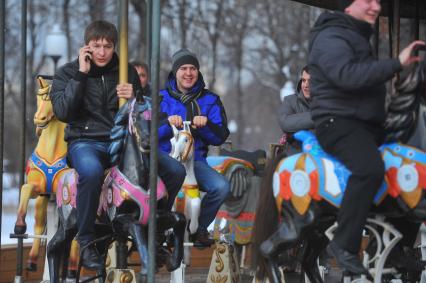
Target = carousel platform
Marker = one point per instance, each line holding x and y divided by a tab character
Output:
196	273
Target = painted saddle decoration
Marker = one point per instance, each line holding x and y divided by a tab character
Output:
315	175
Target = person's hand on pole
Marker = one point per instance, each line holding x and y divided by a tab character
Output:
125	91
407	56
176	121
199	121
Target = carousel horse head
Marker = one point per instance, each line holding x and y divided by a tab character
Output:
44	112
182	143
302	192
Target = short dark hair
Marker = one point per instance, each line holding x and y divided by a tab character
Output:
142	65
99	30
299	83
305	69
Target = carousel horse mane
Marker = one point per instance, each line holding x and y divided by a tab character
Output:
403	109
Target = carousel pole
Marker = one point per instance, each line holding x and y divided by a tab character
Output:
155	64
2	47
148	29
121	247
22	159
123	45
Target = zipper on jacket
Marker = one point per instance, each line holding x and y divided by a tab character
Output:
105	100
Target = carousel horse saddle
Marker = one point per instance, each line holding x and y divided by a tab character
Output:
257	158
115	190
223	163
316	175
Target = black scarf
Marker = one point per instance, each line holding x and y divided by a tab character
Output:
96	71
190	102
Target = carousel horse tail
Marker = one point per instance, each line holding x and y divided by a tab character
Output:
267	218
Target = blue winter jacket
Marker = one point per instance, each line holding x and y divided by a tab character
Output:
214	133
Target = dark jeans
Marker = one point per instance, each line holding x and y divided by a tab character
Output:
90	159
217	189
355	144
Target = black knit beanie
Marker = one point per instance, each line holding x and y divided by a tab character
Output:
183	57
343	4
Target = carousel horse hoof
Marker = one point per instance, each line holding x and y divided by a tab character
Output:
20	229
201	239
91	259
71	274
141	278
348	261
32	266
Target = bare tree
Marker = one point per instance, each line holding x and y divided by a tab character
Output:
236	27
96	9
210	15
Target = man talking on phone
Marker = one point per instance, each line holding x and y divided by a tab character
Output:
85	95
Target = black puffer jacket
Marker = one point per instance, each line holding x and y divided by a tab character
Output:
346	79
88	102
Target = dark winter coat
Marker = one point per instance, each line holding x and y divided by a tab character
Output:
295	114
88	102
346	79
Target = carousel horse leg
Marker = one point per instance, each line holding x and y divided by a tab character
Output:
26	193
176	221
73	260
39	227
135	230
55	252
314	245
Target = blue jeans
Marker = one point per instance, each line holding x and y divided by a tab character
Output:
217	189
90	159
172	173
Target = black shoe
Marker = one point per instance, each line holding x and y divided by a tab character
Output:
91	259
349	261
201	239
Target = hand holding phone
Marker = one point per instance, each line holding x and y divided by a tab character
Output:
84	59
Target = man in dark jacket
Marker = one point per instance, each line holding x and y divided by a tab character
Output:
85	95
348	109
185	98
295	113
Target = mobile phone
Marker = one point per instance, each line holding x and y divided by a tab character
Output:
87	57
420	48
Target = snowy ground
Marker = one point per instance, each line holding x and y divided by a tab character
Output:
10	206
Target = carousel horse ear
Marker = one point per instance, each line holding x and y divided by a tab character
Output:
42	83
44	86
186	126
175	131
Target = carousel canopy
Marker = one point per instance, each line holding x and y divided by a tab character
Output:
408	8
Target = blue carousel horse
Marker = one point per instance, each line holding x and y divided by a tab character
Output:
301	193
124	202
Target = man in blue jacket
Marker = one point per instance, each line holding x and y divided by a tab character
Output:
185	98
348	109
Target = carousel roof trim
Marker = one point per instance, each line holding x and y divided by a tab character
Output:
407	7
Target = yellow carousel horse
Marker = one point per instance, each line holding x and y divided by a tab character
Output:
44	168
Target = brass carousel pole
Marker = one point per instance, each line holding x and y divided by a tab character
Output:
123	45
123	78
155	64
